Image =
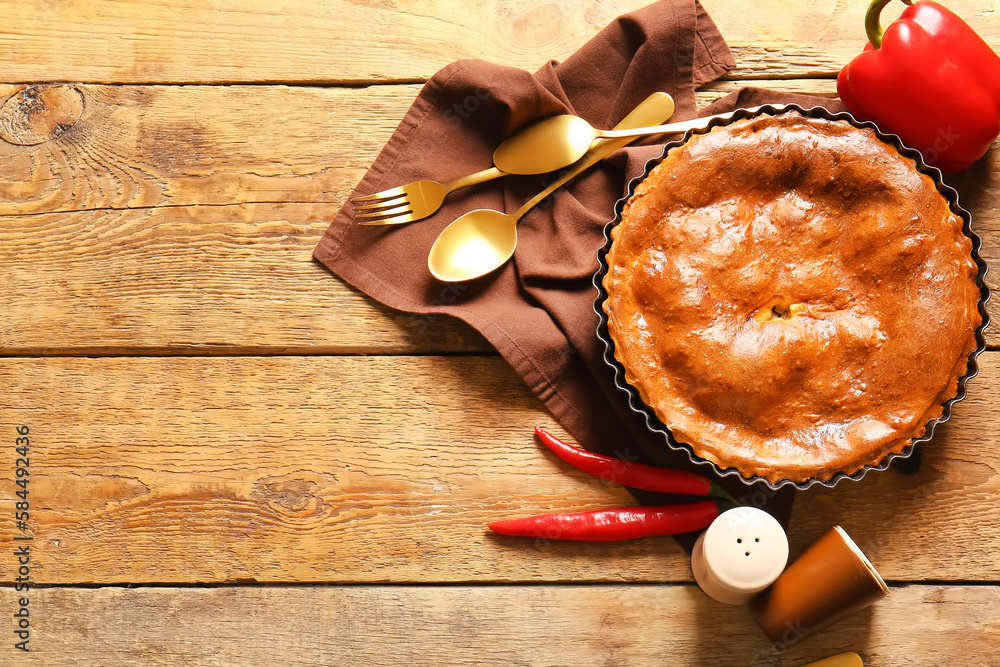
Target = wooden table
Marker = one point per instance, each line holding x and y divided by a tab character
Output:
235	459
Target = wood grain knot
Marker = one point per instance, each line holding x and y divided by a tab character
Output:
36	114
297	494
529	25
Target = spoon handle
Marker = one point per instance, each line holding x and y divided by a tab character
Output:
640	115
487	174
681	126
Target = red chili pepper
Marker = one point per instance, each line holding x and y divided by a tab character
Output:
625	523
930	79
629	473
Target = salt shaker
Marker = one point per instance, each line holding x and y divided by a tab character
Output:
739	555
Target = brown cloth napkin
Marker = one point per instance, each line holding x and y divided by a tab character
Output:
538	309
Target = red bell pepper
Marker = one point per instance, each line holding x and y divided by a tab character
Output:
930	79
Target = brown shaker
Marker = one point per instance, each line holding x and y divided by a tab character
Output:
832	579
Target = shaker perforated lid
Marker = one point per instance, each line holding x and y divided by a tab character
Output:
740	554
746	548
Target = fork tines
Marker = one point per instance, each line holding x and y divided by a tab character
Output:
381	206
380	210
391	193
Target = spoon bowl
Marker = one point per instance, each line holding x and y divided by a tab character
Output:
558	141
480	239
550	144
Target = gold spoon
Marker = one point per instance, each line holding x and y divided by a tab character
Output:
555	142
482	240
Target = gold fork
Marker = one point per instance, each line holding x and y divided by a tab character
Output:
413	201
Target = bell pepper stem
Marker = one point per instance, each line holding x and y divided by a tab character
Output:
872	25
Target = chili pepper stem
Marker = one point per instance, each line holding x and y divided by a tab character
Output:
717	491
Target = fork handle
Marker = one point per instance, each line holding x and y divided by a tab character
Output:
473	179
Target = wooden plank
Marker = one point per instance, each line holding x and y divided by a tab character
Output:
380	469
146	146
719	89
468	625
346	41
339	41
295	469
202	280
217	279
209	280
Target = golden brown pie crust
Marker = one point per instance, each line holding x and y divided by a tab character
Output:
791	297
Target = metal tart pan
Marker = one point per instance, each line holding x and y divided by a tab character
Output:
636	403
